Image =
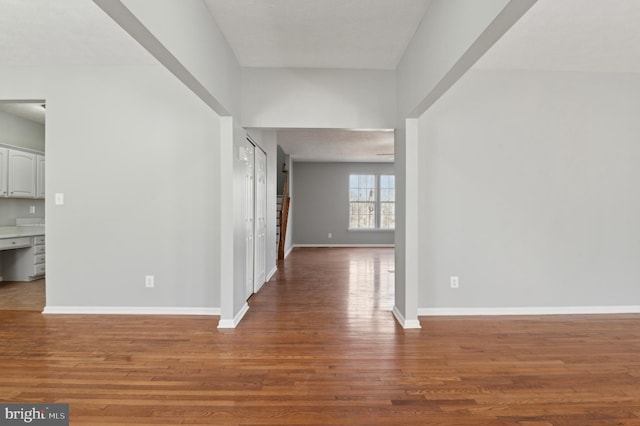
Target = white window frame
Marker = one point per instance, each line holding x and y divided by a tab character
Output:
377	203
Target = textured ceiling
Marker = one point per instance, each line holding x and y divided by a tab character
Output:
571	35
371	34
580	35
68	32
337	145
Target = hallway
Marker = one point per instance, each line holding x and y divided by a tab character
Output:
328	287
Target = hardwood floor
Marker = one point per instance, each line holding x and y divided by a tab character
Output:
22	296
319	346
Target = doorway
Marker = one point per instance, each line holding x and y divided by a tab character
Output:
22	205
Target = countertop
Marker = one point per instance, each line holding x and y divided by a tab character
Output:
20	231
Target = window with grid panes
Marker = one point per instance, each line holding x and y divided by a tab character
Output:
371	202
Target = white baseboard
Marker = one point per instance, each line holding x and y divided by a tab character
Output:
405	323
233	323
288	252
533	310
272	273
128	310
343	245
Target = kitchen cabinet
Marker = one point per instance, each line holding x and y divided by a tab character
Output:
4	174
23	258
14	243
22	174
39	176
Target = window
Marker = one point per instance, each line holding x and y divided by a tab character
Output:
372	201
387	202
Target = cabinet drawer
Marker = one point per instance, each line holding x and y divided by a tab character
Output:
39	269
38	239
11	243
38	250
38	258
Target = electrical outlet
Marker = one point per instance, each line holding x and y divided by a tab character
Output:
330	235
149	281
32	209
454	281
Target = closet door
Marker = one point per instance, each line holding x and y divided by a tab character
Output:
260	251
249	216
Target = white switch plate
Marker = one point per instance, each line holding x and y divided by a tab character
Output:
59	198
455	282
149	281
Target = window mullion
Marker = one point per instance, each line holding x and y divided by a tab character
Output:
378	209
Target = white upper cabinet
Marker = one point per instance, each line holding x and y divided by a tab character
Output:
4	174
22	174
39	176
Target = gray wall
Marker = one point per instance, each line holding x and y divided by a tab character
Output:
11	208
321	203
20	132
288	242
529	188
139	174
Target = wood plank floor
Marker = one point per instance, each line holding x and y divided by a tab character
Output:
319	346
22	295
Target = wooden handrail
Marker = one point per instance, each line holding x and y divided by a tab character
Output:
284	214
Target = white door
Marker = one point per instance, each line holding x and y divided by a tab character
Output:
260	251
249	215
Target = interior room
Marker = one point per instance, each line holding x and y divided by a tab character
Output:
331	212
22	233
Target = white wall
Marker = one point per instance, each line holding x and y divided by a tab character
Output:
450	38
136	156
20	132
12	208
530	191
240	169
189	32
315	98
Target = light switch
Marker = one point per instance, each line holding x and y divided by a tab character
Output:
59	198
32	209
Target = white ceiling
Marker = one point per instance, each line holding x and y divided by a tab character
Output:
582	35
571	35
370	34
68	32
335	145
360	34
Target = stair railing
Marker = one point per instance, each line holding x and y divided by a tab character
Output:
284	214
